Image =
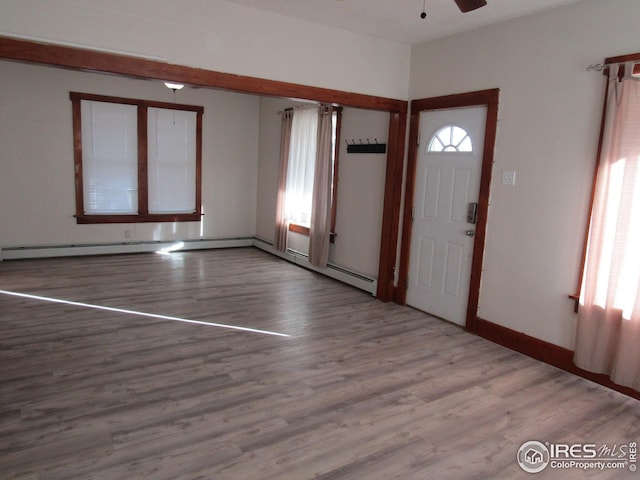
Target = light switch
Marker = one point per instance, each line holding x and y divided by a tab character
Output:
509	177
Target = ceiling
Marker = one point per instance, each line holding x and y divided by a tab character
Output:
399	20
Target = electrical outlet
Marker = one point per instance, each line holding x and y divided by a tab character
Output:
509	178
127	233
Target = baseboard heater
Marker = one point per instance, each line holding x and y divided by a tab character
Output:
17	253
358	280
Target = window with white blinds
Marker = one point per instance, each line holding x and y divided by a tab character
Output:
136	160
110	158
171	161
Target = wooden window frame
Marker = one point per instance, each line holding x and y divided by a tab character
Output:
143	215
301	229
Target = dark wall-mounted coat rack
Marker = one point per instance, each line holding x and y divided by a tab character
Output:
368	147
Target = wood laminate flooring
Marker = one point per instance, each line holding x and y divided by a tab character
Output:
358	389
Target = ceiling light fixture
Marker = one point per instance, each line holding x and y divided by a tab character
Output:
464	6
174	86
469	5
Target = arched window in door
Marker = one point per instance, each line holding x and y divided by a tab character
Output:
450	138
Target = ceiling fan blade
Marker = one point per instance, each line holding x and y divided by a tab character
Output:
468	5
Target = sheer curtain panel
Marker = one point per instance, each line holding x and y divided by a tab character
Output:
302	157
282	222
320	228
608	333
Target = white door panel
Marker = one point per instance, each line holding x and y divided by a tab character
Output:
446	183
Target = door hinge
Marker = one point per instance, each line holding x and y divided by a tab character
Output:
413	212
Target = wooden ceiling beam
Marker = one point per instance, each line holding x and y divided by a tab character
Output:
142	68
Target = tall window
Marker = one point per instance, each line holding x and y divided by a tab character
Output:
171	162
136	161
301	167
302	157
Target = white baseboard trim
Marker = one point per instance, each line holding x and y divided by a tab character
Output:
358	280
17	253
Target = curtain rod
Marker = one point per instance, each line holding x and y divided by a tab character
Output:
298	107
604	67
596	67
305	107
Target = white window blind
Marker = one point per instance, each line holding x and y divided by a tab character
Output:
110	158
171	152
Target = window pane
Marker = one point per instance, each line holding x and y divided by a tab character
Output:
435	145
109	158
171	160
457	135
444	136
465	145
450	139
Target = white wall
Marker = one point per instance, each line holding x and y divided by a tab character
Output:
548	130
37	192
221	36
240	162
360	193
360	187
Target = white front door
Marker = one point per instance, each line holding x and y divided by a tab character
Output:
446	194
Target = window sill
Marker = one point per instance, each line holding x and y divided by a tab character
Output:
149	218
302	230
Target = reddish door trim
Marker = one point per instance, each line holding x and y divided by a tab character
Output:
490	98
391	210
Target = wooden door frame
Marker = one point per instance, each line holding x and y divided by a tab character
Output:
490	99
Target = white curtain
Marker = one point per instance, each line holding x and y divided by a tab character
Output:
282	222
608	335
301	166
320	229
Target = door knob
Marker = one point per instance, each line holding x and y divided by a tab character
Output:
469	233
